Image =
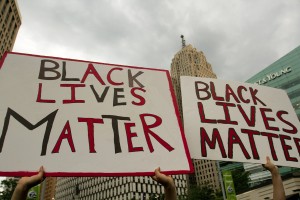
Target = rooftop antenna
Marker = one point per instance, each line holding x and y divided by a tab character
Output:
183	41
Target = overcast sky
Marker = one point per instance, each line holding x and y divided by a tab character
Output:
239	38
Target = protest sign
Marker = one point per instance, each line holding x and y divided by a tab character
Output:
232	121
80	118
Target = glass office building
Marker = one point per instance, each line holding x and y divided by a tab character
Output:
283	74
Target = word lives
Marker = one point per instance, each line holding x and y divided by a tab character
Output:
50	70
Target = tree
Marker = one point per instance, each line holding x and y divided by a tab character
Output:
204	192
241	180
219	195
8	186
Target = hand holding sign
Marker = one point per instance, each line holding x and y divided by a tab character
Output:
278	189
167	182
25	183
270	166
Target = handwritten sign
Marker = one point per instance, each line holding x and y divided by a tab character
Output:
233	121
79	118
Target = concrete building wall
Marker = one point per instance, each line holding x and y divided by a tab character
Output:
10	22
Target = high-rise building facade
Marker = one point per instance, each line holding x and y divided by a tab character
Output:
190	62
10	22
115	188
283	74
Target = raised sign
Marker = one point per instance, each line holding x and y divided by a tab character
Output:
234	121
79	118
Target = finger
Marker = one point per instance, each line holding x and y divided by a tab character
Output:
41	173
159	175
157	171
268	159
38	178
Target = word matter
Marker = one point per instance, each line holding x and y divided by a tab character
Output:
67	135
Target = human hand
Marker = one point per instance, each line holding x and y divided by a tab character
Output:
28	182
166	181
25	183
270	166
278	188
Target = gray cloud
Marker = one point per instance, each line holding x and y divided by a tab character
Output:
239	38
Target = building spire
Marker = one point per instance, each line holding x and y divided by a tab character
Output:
182	41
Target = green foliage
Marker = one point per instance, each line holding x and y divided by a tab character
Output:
204	192
8	186
241	180
219	195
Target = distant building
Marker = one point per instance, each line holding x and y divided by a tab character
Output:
10	22
114	188
230	166
291	186
283	74
190	62
48	188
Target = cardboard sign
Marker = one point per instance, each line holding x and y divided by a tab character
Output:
233	121
80	118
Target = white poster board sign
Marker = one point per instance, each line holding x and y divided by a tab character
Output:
80	118
232	121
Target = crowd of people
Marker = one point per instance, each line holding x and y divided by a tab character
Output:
25	183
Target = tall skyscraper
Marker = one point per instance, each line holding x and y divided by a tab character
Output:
10	22
190	62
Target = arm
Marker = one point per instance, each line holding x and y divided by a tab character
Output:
167	182
278	189
25	183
